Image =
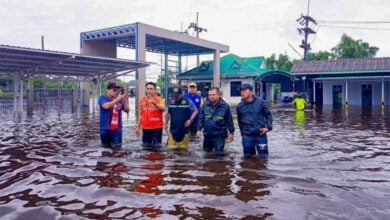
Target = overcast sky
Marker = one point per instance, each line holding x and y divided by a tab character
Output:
250	27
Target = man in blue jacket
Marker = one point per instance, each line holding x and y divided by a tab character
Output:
111	106
255	121
216	121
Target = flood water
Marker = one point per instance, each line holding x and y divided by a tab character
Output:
324	164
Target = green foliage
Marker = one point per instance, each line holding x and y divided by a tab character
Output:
283	62
347	48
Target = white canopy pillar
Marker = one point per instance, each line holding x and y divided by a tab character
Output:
383	94
216	72
314	93
140	76
346	93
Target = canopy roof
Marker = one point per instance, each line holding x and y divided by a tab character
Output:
29	62
157	39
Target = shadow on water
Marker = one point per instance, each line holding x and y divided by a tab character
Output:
323	164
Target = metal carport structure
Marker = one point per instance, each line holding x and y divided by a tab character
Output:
143	37
22	63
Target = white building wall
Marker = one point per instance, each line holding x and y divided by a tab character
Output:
328	92
354	92
226	89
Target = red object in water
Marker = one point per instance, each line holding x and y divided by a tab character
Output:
120	168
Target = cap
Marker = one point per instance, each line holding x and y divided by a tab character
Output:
112	85
192	84
246	86
176	91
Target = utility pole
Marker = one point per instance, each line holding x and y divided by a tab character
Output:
197	29
304	21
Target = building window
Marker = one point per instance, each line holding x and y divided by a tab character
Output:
235	88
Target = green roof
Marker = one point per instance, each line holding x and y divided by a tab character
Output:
230	65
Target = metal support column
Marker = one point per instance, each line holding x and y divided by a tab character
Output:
314	93
166	78
140	75
16	91
346	94
383	94
216	72
30	99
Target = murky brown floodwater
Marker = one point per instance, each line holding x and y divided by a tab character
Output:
329	164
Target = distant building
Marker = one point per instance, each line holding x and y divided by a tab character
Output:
364	82
236	71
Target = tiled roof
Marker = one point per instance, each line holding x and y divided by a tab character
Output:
342	66
230	65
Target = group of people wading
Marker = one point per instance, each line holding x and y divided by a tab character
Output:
187	117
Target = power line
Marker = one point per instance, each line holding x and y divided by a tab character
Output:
359	28
354	22
244	7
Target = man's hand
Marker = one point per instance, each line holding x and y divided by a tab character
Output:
188	123
230	138
263	131
137	132
198	134
121	97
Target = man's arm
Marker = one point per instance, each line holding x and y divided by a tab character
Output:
193	115
108	105
167	119
267	115
126	106
160	104
238	117
200	121
229	119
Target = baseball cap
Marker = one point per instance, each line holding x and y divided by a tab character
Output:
246	86
192	84
112	85
176	91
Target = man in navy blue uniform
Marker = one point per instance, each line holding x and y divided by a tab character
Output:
255	121
216	121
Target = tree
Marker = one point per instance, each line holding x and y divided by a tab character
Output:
320	55
349	48
283	62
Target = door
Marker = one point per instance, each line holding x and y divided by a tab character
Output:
319	93
337	95
366	95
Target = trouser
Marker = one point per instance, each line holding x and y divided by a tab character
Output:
254	142
214	143
111	138
178	145
151	138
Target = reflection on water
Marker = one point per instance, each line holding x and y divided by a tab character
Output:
323	164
